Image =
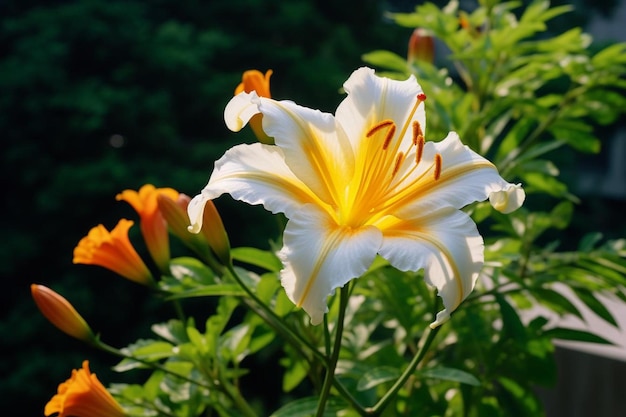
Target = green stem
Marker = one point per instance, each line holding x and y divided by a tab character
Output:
235	395
428	336
155	365
226	387
266	313
344	296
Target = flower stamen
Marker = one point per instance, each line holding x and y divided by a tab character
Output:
419	144
378	126
437	172
399	160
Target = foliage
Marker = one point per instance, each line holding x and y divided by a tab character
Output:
515	95
98	96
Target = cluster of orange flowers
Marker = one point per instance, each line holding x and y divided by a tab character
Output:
161	211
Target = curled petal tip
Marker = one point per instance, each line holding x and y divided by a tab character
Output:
240	110
508	199
194	228
316	318
442	317
195	211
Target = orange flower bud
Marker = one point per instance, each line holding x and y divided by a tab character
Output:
175	214
113	250
61	313
421	47
215	233
254	80
83	395
152	223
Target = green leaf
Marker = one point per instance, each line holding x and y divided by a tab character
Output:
387	60
539	165
184	267
257	257
450	374
610	55
145	349
561	215
512	326
508	149
173	331
547	184
518	400
306	407
210	291
377	376
590	300
267	287
575	335
555	301
234	343
577	134
296	369
589	241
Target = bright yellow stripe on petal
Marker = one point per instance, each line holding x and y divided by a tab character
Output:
418	188
318	156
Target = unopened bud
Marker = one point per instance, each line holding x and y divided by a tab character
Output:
421	47
61	313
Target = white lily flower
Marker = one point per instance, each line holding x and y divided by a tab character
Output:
356	184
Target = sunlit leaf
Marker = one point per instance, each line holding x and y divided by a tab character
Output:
257	257
210	291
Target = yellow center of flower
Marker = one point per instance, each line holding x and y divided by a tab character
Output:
385	171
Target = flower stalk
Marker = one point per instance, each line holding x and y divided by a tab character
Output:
344	295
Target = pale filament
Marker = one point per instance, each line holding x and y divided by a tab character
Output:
381	176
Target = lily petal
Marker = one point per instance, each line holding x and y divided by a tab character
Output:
465	177
446	243
255	174
372	99
314	146
320	256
